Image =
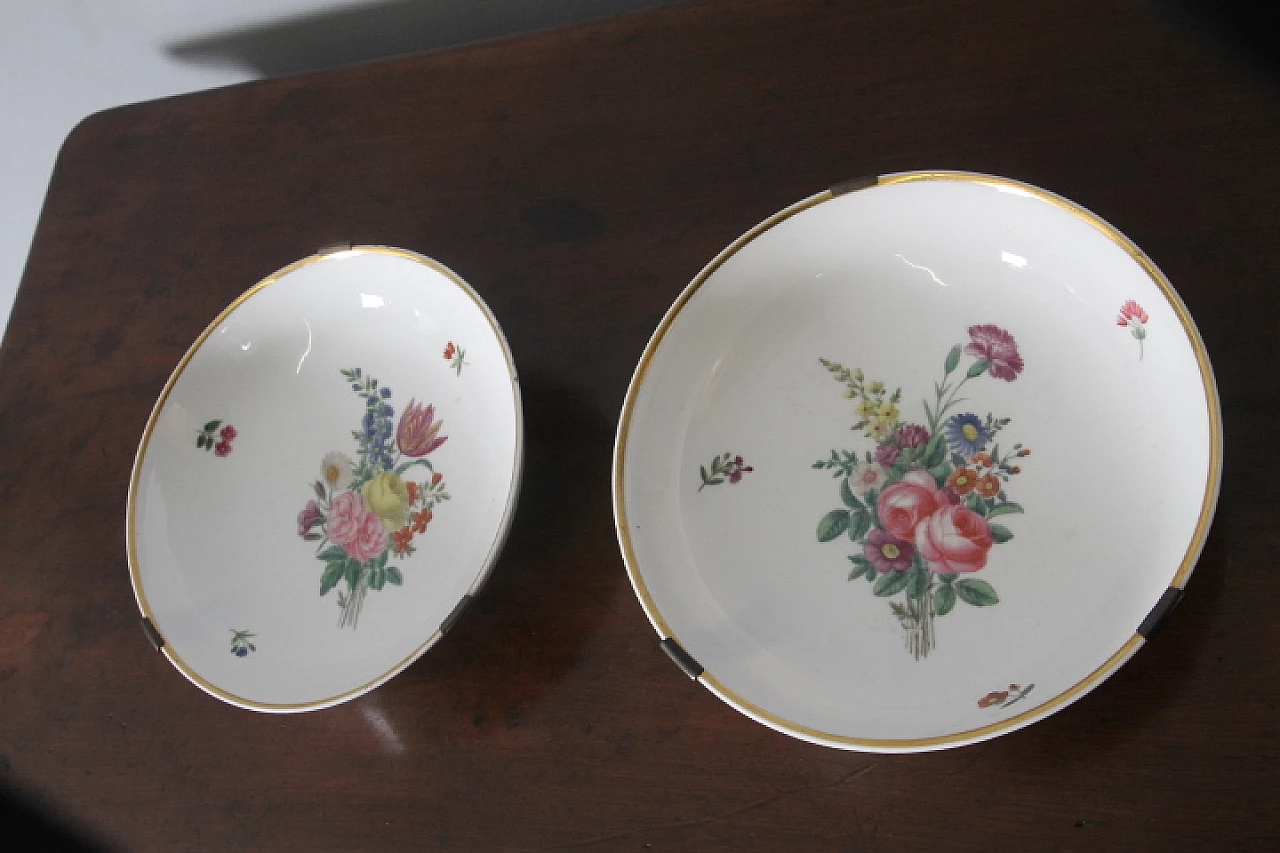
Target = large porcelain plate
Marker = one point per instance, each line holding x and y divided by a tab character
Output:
328	474
917	462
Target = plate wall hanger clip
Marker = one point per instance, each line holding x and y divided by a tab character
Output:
1160	612
153	634
455	614
853	184
683	659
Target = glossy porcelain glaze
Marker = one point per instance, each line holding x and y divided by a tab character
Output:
329	470
906	467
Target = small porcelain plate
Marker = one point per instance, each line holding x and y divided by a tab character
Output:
326	478
916	462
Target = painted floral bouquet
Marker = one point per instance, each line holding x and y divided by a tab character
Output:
365	510
922	505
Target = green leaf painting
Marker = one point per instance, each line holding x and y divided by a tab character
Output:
833	524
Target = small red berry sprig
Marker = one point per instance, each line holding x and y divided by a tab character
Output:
215	439
1000	698
455	355
726	466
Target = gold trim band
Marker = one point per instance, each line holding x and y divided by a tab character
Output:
1179	579
890	744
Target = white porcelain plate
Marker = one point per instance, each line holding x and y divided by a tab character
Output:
917	462
329	472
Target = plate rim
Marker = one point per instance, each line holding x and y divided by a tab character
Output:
1177	582
486	566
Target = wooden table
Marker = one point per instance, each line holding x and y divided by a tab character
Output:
579	179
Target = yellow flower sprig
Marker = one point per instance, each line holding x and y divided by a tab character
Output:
878	415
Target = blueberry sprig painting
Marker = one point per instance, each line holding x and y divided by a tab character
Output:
921	505
367	508
241	643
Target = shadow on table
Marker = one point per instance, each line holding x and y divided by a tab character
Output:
559	573
1240	28
27	826
335	37
1125	706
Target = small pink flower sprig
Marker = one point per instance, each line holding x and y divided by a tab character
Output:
1134	318
726	466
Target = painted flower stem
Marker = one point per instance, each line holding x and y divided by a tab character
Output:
350	613
951	401
405	466
940	408
921	637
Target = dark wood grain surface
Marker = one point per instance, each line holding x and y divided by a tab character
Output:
579	179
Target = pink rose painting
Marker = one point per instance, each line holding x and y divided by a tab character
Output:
355	528
345	514
921	504
954	540
369	540
907	503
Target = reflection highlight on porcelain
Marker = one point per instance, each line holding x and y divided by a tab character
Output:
1010	189
931	273
307	351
